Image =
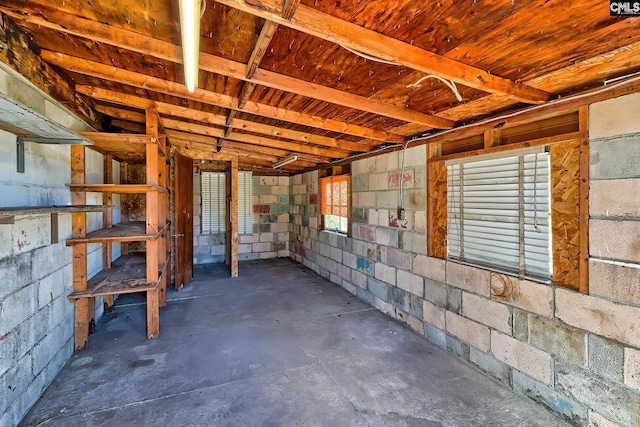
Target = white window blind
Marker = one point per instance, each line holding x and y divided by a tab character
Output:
214	209
498	213
245	203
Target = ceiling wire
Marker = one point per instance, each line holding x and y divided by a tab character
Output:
450	84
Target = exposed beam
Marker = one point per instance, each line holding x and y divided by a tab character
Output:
186	113
128	125
344	33
115	36
132	78
266	35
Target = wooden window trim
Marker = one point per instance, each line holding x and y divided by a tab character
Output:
323	206
570	252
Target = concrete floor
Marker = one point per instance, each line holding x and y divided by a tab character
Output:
278	346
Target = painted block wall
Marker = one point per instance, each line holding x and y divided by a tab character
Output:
270	237
36	318
578	355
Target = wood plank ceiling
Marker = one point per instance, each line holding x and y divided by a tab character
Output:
322	79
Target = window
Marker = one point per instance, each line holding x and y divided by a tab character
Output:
498	213
334	199
214	207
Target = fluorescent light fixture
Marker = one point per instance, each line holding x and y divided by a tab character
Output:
190	31
285	161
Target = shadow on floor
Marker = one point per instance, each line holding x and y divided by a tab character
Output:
278	346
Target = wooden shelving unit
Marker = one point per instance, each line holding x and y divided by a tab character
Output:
140	272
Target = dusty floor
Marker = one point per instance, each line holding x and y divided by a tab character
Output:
278	346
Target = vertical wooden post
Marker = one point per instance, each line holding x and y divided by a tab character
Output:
107	219
584	199
233	212
436	204
153	224
79	229
492	137
124	205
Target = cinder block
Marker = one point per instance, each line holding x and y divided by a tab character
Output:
378	288
383	217
15	274
597	420
266	237
615	282
614	158
387	162
15	382
387	199
45	351
364	166
468	331
268	180
385	307
557	338
615	402
606	358
365	296
284	181
430	268
406	302
6	241
410	283
51	287
365	265
16	307
632	368
359	279
336	254
349	259
468	278
349	287
567	409
365	199
435	292
520	325
614	198
490	365
360	183
458	347
399	258
533	362
621	323
387	237
435	335
414	323
379	181
454	299
420	221
486	312
249	238
261	247
614	116
614	239
50	258
344	272
385	273
433	315
415	243
530	296
366	233
408	179
414	156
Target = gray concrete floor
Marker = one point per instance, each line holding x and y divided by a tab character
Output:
278	346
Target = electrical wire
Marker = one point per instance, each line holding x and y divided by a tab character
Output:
559	101
369	57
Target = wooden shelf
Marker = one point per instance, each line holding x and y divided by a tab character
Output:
10	212
125	143
126	275
117	188
125	232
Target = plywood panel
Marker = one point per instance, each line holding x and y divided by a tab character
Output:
437	209
565	213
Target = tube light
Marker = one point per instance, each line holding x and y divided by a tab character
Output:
190	31
285	161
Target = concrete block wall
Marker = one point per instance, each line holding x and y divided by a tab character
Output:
36	318
578	355
270	237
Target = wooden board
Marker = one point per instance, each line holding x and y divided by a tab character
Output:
41	210
126	275
117	188
183	230
437	210
124	232
565	213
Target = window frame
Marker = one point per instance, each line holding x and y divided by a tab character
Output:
323	207
223	201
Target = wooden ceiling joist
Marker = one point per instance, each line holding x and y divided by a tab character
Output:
327	27
115	36
107	72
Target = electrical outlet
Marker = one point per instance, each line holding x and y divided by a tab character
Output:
401	214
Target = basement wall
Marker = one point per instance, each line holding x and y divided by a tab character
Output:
36	318
578	355
270	237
